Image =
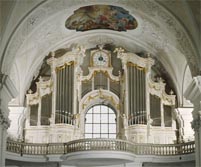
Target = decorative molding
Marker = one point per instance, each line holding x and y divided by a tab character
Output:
133	58
152	9
100	95
180	121
4	120
43	88
32	99
100	39
76	55
196	124
56	133
158	89
106	70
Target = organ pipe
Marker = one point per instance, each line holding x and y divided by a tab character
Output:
64	94
136	95
33	115
46	109
155	108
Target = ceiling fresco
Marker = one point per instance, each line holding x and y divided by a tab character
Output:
101	17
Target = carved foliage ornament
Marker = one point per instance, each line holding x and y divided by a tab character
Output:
4	120
196	124
158	89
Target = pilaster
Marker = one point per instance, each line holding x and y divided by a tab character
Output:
193	93
4	124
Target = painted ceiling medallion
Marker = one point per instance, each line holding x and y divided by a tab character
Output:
101	17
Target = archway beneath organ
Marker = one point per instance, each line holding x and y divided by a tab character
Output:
100	122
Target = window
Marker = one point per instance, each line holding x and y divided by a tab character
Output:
100	122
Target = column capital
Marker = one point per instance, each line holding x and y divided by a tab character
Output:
4	121
8	91
196	123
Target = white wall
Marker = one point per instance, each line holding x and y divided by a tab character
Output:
16	116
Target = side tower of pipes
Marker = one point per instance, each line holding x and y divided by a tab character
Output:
148	109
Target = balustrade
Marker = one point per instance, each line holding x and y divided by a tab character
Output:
98	145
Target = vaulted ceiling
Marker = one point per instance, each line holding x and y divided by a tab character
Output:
168	30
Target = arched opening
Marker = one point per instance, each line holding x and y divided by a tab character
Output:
100	122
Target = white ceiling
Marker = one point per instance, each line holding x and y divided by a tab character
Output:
31	29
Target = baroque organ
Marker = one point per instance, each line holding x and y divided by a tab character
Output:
118	80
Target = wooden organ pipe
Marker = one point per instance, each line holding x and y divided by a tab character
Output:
45	110
33	115
155	110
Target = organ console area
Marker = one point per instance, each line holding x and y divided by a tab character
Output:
120	82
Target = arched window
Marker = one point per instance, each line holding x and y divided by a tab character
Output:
100	122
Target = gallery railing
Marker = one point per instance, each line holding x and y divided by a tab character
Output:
98	145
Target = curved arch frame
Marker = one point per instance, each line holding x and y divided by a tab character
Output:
107	122
96	97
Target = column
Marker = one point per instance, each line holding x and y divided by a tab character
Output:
193	93
4	124
7	92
